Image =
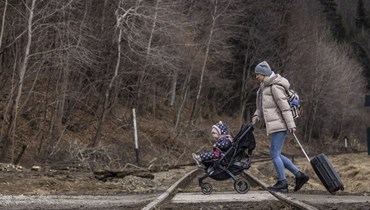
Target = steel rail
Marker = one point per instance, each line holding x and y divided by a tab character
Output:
169	193
281	196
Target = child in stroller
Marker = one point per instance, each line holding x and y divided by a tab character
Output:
231	162
224	140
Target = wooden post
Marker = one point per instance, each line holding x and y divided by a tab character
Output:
367	104
368	140
136	139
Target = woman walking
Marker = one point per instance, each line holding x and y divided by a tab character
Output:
273	109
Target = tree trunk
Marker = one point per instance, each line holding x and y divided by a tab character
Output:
343	113
44	119
96	140
154	86
7	116
103	16
173	89
56	127
22	73
244	96
208	45
184	95
148	50
3	24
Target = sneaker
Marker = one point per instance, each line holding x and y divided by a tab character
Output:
197	158
300	180
280	186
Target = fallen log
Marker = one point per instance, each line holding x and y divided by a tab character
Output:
106	175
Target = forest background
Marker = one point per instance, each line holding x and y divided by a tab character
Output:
72	71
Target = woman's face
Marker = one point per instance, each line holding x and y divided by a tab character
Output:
259	77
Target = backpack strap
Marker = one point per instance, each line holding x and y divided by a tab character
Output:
273	97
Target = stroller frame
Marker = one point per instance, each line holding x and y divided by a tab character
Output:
226	167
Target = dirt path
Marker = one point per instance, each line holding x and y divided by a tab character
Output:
64	182
76	202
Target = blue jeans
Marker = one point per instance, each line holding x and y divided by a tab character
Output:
280	161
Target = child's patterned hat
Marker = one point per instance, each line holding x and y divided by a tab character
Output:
221	128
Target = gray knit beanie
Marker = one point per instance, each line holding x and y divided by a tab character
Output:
263	68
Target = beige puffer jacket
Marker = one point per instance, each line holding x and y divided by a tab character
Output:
274	109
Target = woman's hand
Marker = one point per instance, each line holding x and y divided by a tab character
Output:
255	119
292	130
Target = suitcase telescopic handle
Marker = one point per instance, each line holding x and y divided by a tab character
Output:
304	152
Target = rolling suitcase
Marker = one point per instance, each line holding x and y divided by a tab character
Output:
324	170
326	173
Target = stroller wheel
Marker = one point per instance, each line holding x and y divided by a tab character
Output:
206	188
241	185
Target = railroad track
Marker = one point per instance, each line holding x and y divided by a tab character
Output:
186	194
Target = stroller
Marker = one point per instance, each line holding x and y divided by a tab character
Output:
232	163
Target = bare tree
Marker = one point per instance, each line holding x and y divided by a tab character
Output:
78	66
148	49
218	10
3	24
331	74
120	27
9	145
